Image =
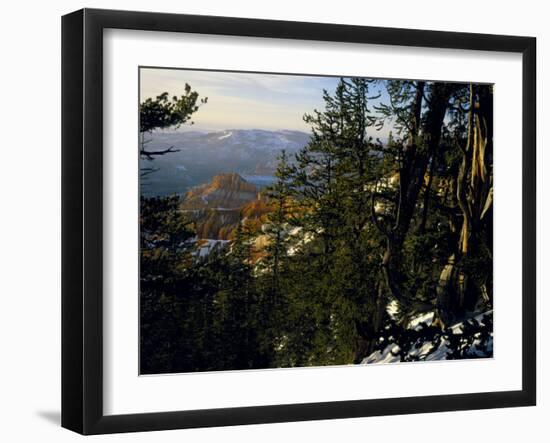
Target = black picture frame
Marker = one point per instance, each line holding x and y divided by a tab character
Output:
82	218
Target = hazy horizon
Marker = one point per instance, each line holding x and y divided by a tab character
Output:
240	100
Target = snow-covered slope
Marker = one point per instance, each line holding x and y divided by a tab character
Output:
471	338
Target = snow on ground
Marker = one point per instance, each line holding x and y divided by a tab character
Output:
386	356
427	351
293	250
416	323
439	353
206	246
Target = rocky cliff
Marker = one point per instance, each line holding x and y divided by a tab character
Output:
226	191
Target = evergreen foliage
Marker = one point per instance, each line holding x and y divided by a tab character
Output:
355	224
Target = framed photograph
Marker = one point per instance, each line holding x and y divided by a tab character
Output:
269	221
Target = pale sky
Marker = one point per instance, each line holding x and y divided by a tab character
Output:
243	100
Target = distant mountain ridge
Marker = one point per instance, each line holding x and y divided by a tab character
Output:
251	153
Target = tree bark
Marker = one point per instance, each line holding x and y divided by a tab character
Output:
424	141
456	292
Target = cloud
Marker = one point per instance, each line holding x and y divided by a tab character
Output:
243	100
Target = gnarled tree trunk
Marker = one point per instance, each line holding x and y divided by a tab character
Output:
424	139
456	292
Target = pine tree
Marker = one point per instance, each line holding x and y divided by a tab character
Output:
332	180
278	225
161	113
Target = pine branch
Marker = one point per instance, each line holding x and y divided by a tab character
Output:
151	154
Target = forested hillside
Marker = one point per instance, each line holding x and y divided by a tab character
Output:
363	250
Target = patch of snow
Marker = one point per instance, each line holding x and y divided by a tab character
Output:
428	351
206	246
422	350
295	231
440	353
305	239
457	328
477	351
386	356
415	323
